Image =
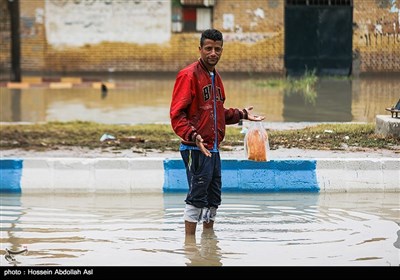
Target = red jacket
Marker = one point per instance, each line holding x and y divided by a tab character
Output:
192	106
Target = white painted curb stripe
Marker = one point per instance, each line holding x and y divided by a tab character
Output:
110	175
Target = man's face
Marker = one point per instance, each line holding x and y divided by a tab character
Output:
211	52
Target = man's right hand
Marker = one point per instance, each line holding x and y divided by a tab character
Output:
199	143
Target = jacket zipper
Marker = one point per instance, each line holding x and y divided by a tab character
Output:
215	111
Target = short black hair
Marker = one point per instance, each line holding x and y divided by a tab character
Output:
212	34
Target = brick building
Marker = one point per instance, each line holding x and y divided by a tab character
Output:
79	36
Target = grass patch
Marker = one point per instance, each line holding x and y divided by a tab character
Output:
160	137
303	85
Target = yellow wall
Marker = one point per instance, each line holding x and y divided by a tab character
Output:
259	47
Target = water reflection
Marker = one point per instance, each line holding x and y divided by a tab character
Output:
16	105
207	253
147	100
251	229
10	224
332	103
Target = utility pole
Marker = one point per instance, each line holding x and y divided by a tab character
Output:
13	7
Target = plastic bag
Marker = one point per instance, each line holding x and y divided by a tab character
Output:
256	143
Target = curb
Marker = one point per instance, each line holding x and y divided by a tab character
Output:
37	82
158	175
62	85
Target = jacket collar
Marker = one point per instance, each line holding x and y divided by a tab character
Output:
205	68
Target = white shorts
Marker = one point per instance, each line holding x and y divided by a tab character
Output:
198	215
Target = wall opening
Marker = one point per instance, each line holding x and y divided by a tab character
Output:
318	37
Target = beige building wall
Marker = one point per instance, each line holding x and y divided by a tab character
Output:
376	35
253	30
254	42
5	41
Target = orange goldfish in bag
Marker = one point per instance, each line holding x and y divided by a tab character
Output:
256	142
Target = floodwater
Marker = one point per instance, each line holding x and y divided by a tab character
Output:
145	99
276	229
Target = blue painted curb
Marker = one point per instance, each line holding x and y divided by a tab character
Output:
251	176
169	175
10	175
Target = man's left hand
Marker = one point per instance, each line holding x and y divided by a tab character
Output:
252	117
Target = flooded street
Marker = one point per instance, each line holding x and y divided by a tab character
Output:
276	229
147	100
263	229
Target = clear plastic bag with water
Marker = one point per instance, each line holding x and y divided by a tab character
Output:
256	142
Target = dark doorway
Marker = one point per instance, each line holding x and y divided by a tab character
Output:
318	37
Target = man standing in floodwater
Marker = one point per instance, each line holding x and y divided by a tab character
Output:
198	117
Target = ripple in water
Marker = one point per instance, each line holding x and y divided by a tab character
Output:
251	230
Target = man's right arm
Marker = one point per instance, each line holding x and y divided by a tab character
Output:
181	100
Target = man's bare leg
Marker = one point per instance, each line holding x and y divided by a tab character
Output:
208	222
208	225
190	228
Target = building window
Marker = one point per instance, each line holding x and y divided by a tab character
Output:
191	15
203	19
